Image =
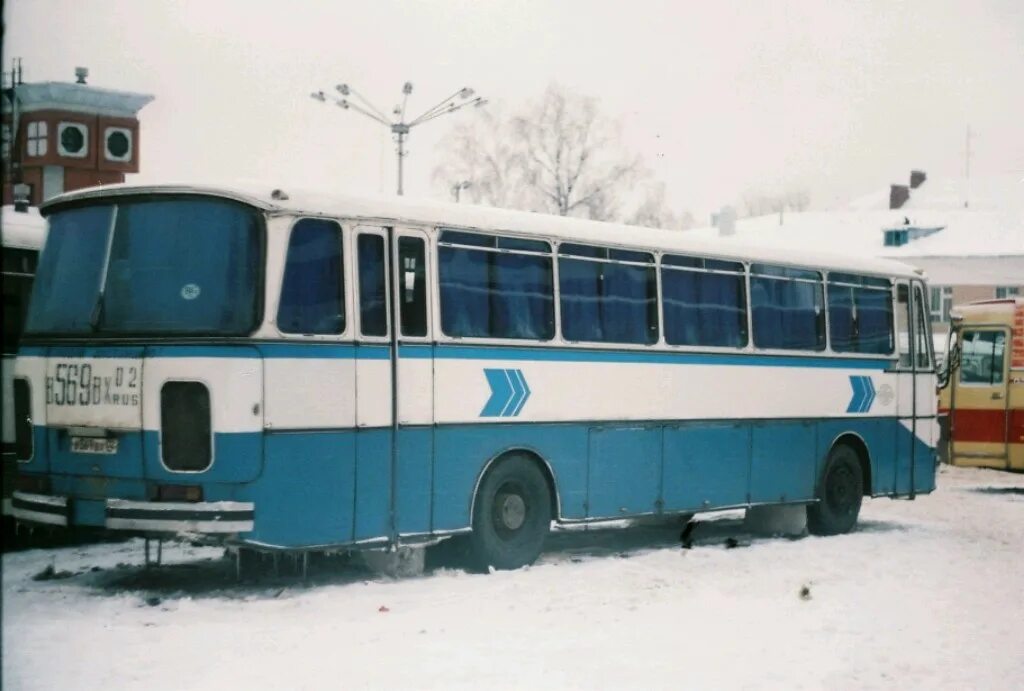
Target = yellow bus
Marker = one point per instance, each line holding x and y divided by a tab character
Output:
982	397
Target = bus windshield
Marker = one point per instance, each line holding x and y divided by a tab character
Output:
183	265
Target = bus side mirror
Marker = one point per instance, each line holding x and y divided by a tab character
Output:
952	363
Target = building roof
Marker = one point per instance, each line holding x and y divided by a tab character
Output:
79	98
392	210
22	229
963	251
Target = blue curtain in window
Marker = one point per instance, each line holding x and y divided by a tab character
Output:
704	309
874	321
787	314
840	318
465	288
580	284
311	294
523	296
681	296
628	312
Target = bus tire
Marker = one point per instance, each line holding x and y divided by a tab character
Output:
839	494
511	515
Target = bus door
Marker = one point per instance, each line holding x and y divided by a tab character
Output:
373	389
979	410
413	383
916	404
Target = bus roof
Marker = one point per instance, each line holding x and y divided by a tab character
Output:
391	210
22	229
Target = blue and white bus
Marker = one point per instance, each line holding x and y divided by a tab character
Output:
22	233
301	373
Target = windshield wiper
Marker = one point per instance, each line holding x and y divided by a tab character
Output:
96	317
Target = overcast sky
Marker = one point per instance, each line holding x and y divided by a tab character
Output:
721	99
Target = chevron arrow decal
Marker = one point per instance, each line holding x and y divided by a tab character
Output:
863	394
509	393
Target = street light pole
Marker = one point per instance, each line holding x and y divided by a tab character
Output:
399	127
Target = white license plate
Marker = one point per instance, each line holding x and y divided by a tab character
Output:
93	445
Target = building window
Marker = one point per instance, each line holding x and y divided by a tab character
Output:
940	302
1007	292
36	138
72	140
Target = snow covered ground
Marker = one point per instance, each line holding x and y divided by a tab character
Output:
926	594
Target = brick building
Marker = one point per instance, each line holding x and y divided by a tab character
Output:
60	136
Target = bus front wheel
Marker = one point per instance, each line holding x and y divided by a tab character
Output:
839	494
511	515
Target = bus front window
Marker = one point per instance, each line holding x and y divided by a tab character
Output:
155	266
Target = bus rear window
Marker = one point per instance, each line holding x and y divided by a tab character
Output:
155	266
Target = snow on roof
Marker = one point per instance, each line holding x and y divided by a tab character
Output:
992	226
402	210
25	230
79	97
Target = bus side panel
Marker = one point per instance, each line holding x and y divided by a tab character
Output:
373	483
306	494
625	471
783	461
462	451
415	479
880	439
706	465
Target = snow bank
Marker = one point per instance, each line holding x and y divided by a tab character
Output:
926	594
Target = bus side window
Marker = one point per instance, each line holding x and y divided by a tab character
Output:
373	316
412	286
313	290
982	357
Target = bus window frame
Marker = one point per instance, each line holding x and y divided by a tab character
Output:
346	281
434	248
356	280
655	263
912	285
433	293
894	353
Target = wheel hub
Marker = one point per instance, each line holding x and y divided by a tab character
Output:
511	511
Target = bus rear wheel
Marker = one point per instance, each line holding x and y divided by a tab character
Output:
839	494
511	515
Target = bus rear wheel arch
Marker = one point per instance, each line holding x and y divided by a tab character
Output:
840	492
512	513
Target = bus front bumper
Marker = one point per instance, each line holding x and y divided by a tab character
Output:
215	517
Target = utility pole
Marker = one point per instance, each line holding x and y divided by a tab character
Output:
398	126
458	187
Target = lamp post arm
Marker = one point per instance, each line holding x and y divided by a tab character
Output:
446	111
349	105
431	111
368	105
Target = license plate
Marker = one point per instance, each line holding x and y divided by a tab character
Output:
93	445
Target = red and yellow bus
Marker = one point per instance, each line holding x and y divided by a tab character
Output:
984	397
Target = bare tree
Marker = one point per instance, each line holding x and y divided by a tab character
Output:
559	156
777	203
574	162
654	212
483	152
